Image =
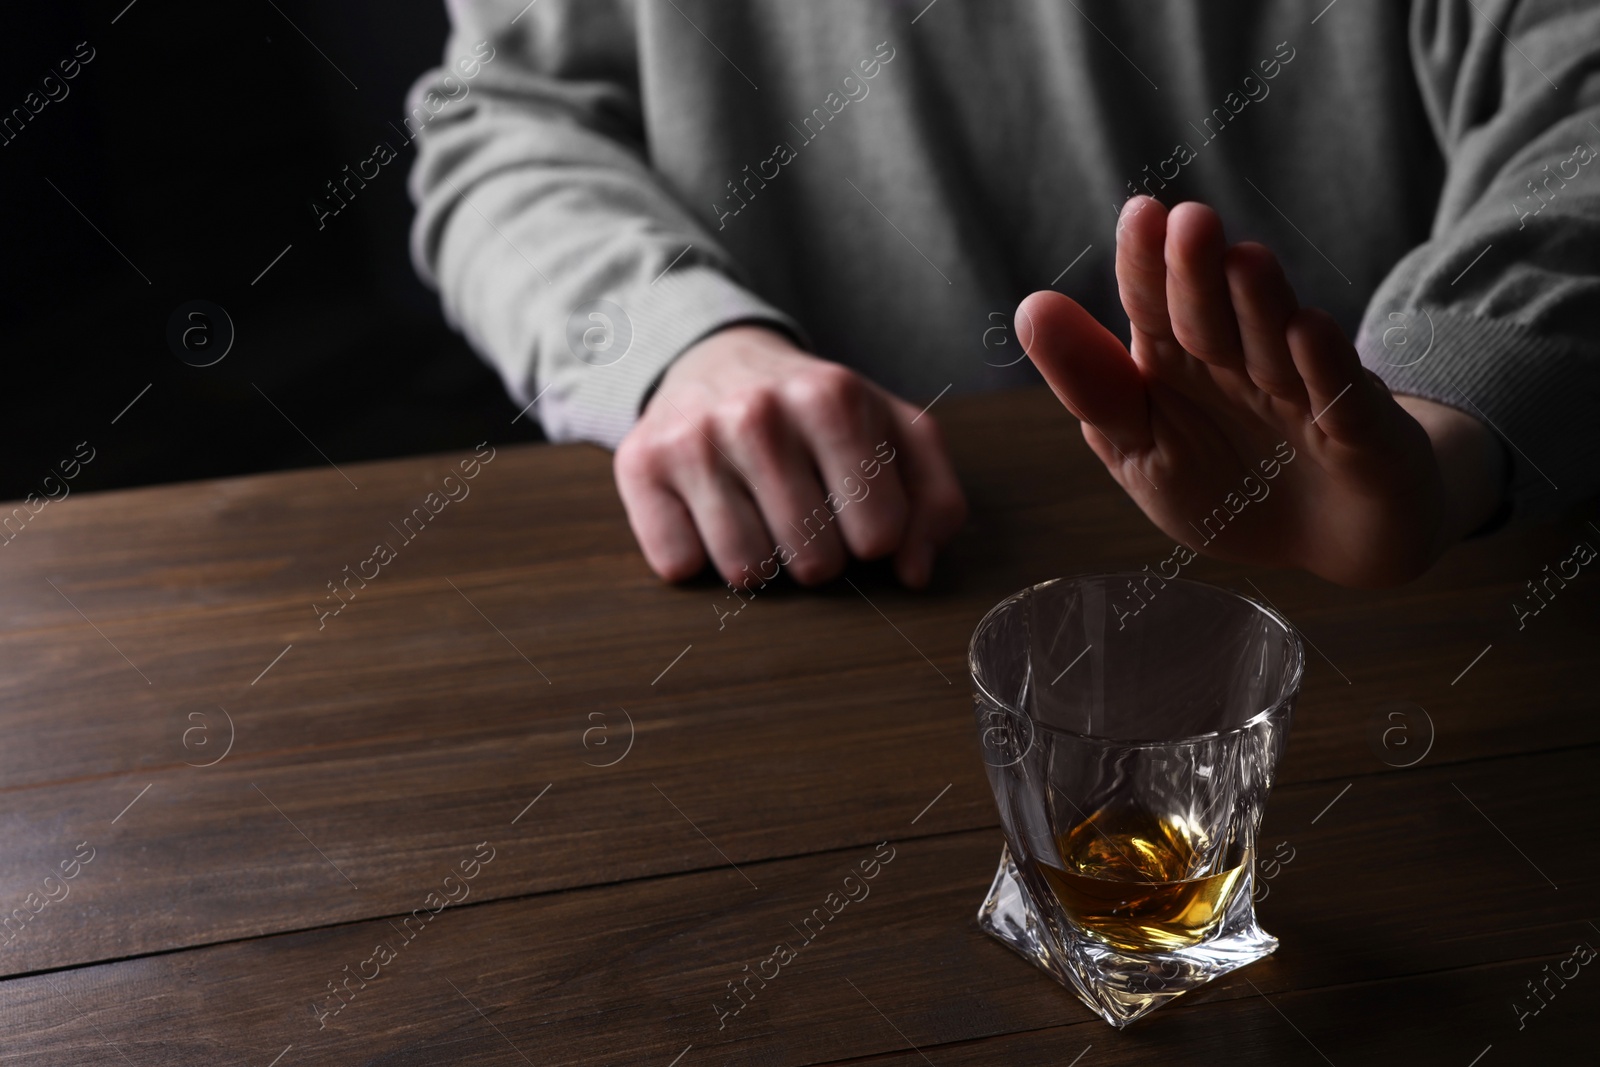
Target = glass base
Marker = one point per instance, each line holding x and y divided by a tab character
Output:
1117	986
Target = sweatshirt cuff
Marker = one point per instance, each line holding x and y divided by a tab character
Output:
599	399
1531	389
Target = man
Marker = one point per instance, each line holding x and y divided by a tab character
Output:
747	244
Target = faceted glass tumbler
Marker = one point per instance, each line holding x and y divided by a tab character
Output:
1131	726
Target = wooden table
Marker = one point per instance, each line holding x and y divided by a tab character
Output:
573	808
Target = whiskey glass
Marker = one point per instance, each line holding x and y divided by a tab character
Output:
1131	726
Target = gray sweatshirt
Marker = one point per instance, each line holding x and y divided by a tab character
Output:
601	183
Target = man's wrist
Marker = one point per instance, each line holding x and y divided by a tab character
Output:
1473	467
751	330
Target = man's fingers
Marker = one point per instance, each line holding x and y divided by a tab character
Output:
661	524
1197	290
729	525
716	495
843	420
1141	267
1087	367
938	507
757	434
1263	301
1346	400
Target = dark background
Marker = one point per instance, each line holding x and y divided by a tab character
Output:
196	139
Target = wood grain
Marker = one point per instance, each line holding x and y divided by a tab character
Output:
476	669
635	971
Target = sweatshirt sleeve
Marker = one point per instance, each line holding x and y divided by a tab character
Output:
556	250
1498	312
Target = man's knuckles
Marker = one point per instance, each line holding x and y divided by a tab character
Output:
831	400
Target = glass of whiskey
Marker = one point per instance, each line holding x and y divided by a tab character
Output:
1131	726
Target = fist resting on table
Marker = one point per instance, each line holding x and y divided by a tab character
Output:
751	451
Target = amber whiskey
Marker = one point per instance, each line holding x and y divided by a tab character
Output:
1129	880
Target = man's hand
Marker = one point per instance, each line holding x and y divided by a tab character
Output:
1245	425
746	443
